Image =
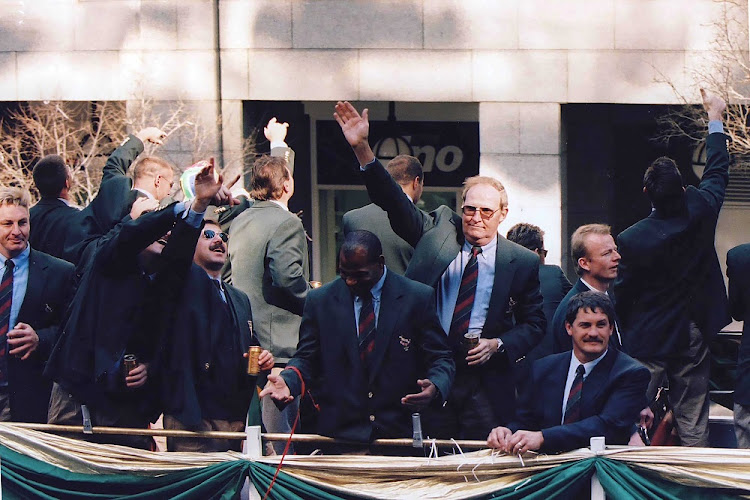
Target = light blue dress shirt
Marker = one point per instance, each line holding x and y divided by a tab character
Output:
20	282
376	290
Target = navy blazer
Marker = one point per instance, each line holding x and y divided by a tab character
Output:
669	274
612	397
50	221
49	291
738	272
197	348
358	404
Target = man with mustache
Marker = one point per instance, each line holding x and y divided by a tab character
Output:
204	384
576	395
122	306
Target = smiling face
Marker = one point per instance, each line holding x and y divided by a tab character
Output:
477	229
211	250
590	333
14	230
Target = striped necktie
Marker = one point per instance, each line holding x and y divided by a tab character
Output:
573	406
465	300
6	298
366	327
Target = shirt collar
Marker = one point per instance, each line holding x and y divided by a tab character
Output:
19	259
485	248
592	288
145	193
574	362
377	288
280	204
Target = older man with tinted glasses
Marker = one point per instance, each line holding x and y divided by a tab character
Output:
484	284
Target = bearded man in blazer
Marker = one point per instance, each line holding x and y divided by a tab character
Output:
40	290
507	304
372	377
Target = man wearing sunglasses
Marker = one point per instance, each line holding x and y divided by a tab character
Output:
205	385
485	284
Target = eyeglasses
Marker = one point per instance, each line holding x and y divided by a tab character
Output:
209	234
170	181
542	252
485	213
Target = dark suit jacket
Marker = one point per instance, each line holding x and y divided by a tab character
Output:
49	290
738	271
515	311
554	286
669	274
612	397
111	204
359	404
204	373
268	251
372	218
50	223
117	308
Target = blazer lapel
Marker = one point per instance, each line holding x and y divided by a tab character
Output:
556	388
35	286
386	325
595	382
343	314
504	271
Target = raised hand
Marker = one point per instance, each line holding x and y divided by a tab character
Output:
356	129
151	134
275	131
713	104
207	185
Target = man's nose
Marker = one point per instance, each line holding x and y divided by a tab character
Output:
477	217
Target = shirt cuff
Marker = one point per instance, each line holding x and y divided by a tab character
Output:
278	144
190	216
715	126
362	168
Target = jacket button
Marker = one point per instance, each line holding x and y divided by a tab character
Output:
372	418
207	366
369	395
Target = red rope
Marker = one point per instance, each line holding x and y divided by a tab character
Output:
289	441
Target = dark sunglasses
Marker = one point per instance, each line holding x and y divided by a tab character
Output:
209	234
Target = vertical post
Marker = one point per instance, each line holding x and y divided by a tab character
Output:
597	444
253	445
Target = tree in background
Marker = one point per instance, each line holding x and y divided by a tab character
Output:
86	133
724	71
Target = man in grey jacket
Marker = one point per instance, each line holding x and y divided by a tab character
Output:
269	259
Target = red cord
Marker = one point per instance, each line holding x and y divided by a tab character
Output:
289	441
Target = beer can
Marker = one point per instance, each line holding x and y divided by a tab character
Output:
129	362
253	367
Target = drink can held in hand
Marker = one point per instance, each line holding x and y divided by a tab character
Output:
129	362
253	367
471	340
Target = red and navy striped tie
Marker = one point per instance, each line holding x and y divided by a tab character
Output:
6	298
366	327
573	406
465	301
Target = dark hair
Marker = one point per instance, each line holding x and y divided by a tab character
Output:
663	184
361	239
527	235
268	176
404	169
590	301
50	174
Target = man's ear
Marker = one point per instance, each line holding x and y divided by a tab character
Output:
583	264
569	328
